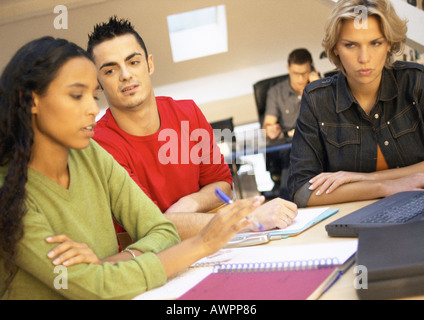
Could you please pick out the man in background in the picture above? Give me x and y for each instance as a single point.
(282, 111)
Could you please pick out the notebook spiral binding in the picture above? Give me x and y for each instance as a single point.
(275, 266)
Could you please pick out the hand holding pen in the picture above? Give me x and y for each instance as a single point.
(226, 199)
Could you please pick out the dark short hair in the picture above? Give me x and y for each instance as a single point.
(300, 56)
(113, 28)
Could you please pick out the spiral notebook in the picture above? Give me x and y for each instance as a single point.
(268, 282)
(330, 259)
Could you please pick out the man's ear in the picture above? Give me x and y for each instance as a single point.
(150, 64)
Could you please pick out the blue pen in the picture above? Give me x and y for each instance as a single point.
(226, 199)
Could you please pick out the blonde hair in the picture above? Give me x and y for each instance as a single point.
(393, 27)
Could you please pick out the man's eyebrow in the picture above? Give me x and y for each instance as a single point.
(111, 64)
(133, 55)
(108, 64)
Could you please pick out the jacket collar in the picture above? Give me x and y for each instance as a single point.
(345, 99)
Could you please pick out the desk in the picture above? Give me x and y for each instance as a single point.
(343, 289)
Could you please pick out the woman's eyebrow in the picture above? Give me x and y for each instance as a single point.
(77, 84)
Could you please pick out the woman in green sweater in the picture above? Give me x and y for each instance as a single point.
(59, 190)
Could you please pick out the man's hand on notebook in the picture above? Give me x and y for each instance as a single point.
(276, 213)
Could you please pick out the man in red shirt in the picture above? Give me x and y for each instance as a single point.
(167, 146)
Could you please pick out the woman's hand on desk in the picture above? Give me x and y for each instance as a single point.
(414, 182)
(367, 189)
(327, 182)
(276, 213)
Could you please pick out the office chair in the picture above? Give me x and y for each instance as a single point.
(273, 165)
(260, 90)
(227, 150)
(223, 124)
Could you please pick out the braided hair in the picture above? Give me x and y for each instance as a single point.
(31, 70)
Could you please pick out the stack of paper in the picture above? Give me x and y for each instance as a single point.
(331, 253)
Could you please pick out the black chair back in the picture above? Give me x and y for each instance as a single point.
(223, 124)
(260, 90)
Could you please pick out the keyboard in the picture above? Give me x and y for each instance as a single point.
(399, 213)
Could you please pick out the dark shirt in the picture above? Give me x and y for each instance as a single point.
(333, 132)
(284, 103)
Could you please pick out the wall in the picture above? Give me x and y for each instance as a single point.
(261, 34)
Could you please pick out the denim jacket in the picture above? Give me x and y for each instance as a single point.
(333, 133)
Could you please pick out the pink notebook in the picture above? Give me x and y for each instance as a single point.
(262, 285)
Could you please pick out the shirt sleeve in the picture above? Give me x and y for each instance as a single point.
(123, 280)
(307, 153)
(141, 218)
(420, 92)
(272, 108)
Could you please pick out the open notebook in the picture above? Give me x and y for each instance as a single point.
(305, 219)
(336, 254)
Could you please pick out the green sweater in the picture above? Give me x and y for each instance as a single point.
(99, 186)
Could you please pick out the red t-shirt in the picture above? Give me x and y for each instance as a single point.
(172, 162)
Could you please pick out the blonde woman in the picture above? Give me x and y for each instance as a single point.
(360, 134)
